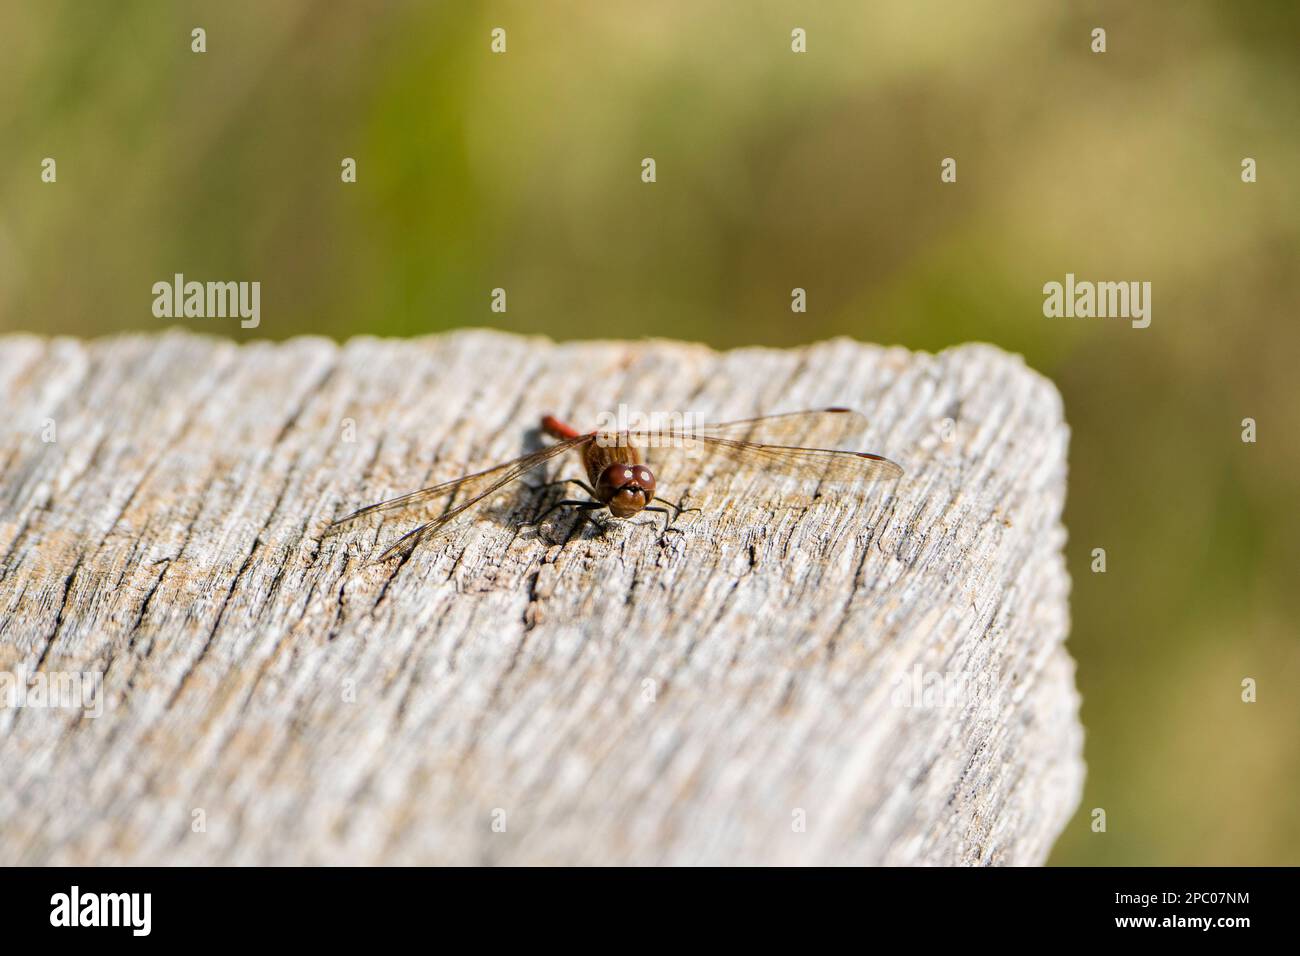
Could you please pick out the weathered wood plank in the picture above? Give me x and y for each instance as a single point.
(620, 697)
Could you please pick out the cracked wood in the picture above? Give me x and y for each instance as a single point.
(878, 678)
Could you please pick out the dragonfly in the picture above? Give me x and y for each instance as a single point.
(620, 480)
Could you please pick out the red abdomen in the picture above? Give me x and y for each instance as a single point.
(557, 429)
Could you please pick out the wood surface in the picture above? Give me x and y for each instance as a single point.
(868, 678)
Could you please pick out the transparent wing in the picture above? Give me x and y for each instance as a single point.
(478, 487)
(781, 444)
(811, 429)
(792, 428)
(822, 464)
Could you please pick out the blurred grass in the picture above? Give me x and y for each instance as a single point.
(774, 171)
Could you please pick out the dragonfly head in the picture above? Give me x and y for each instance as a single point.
(625, 489)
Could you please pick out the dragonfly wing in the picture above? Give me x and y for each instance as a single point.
(780, 444)
(402, 501)
(792, 428)
(502, 476)
(822, 426)
(474, 485)
(822, 464)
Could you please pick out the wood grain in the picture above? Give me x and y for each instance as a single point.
(742, 692)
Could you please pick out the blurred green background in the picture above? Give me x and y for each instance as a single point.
(775, 170)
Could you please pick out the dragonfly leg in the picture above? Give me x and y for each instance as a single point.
(679, 510)
(667, 520)
(583, 506)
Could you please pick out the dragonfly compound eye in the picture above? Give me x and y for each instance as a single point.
(620, 476)
(625, 488)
